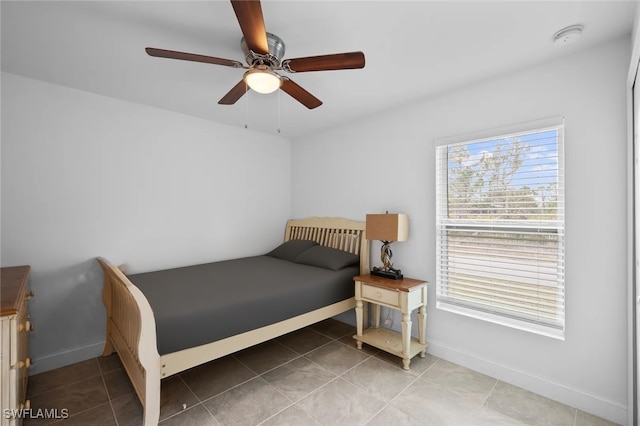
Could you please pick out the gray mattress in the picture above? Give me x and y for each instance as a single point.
(199, 304)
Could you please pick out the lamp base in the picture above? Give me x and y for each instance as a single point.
(393, 274)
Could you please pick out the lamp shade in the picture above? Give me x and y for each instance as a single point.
(388, 227)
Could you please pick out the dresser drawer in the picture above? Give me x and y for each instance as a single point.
(380, 295)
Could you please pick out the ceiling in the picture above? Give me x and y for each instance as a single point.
(413, 50)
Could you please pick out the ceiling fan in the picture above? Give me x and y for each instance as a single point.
(263, 52)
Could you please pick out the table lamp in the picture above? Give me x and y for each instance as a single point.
(387, 228)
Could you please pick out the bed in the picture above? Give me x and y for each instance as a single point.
(159, 329)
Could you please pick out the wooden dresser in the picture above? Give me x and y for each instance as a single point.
(14, 340)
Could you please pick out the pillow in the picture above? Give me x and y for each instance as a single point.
(289, 250)
(328, 258)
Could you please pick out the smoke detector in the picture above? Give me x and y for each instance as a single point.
(567, 35)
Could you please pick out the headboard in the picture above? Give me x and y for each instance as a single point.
(335, 232)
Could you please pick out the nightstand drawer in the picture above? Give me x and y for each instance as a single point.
(381, 295)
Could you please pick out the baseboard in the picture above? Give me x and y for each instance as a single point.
(568, 395)
(348, 317)
(51, 362)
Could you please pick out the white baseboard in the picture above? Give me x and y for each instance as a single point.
(348, 317)
(51, 362)
(592, 404)
(546, 387)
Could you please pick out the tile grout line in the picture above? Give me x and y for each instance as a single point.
(106, 389)
(61, 421)
(337, 376)
(200, 402)
(311, 393)
(266, 371)
(259, 375)
(226, 390)
(283, 395)
(102, 371)
(475, 414)
(189, 388)
(340, 376)
(293, 403)
(186, 409)
(92, 407)
(66, 384)
(210, 413)
(193, 406)
(416, 378)
(256, 375)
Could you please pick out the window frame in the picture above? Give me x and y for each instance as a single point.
(444, 224)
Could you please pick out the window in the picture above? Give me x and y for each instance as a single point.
(500, 226)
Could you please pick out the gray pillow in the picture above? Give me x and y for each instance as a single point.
(328, 258)
(290, 250)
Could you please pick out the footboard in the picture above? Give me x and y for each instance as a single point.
(131, 331)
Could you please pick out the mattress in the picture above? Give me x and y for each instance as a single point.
(200, 304)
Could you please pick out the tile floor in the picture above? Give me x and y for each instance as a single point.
(314, 376)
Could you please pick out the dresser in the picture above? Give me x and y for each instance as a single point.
(14, 339)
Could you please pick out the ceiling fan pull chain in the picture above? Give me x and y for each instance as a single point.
(246, 109)
(279, 124)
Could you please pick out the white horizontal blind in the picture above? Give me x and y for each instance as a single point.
(500, 229)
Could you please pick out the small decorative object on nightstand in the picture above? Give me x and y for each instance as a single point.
(404, 294)
(387, 228)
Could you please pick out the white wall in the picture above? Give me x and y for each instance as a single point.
(84, 176)
(386, 162)
(633, 213)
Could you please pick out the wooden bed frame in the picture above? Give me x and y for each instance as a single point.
(131, 327)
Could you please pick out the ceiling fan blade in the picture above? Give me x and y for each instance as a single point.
(172, 54)
(234, 94)
(249, 14)
(299, 94)
(337, 61)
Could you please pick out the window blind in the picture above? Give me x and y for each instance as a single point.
(500, 228)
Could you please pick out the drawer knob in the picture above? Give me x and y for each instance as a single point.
(26, 326)
(379, 295)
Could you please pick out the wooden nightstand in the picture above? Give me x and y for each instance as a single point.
(405, 295)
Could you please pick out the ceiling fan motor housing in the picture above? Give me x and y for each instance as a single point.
(276, 52)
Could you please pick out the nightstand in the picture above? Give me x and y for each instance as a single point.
(405, 295)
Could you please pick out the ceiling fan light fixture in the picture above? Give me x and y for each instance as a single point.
(262, 80)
